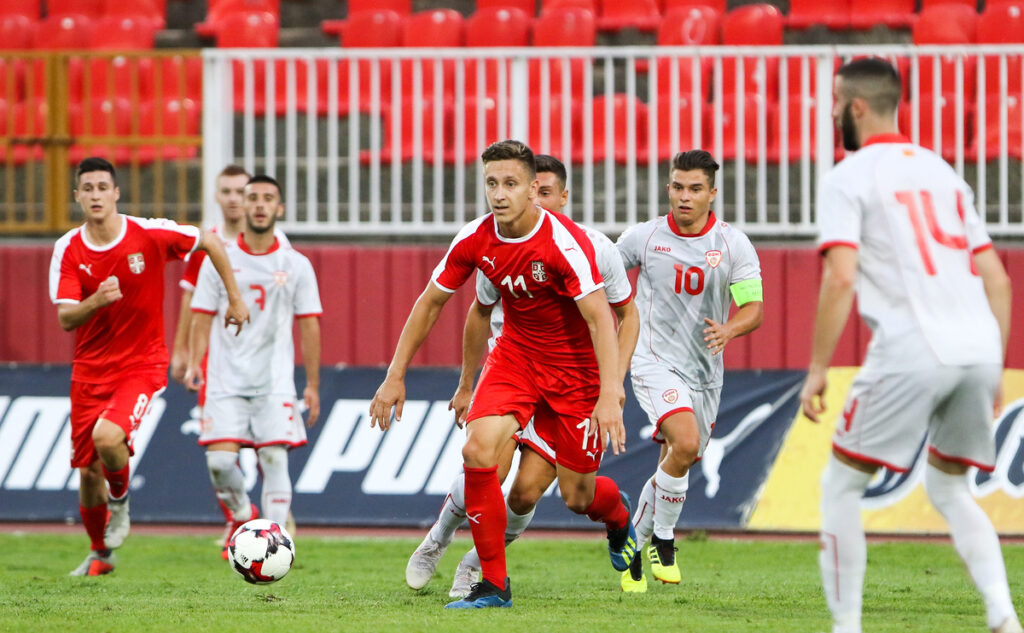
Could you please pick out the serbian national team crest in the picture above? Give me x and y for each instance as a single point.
(280, 277)
(538, 272)
(714, 258)
(136, 263)
(670, 396)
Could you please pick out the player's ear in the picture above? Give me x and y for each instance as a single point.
(564, 198)
(280, 210)
(714, 194)
(117, 193)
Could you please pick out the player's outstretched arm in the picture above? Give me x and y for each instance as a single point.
(607, 417)
(199, 337)
(747, 319)
(237, 312)
(391, 393)
(179, 353)
(73, 315)
(474, 345)
(309, 340)
(834, 303)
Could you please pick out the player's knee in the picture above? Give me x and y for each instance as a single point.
(107, 437)
(220, 463)
(685, 450)
(477, 454)
(91, 478)
(522, 501)
(577, 498)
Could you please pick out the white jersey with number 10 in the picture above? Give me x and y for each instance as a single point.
(927, 304)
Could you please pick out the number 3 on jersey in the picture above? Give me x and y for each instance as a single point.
(689, 279)
(909, 200)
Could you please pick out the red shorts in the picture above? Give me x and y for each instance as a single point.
(123, 402)
(559, 399)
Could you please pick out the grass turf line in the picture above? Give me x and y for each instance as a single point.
(179, 584)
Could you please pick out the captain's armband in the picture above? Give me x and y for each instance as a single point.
(746, 291)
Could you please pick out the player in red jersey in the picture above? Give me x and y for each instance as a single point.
(106, 278)
(556, 361)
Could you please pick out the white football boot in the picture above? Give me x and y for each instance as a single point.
(423, 562)
(119, 524)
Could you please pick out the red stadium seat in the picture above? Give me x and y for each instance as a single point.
(719, 6)
(754, 25)
(557, 5)
(26, 8)
(946, 24)
(16, 31)
(258, 29)
(475, 140)
(1014, 128)
(401, 7)
(123, 33)
(406, 135)
(435, 28)
(690, 26)
(28, 119)
(103, 77)
(927, 4)
(217, 9)
(794, 130)
(172, 117)
(88, 8)
(279, 96)
(100, 117)
(946, 123)
(1002, 24)
(553, 116)
(152, 10)
(687, 79)
(730, 131)
(669, 144)
(178, 77)
(367, 29)
(895, 14)
(619, 122)
(62, 33)
(529, 7)
(834, 14)
(557, 28)
(642, 15)
(494, 27)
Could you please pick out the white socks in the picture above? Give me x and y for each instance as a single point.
(669, 496)
(975, 540)
(277, 485)
(517, 524)
(228, 482)
(643, 518)
(453, 512)
(843, 555)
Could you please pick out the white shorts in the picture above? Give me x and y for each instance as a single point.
(888, 415)
(255, 421)
(528, 436)
(661, 392)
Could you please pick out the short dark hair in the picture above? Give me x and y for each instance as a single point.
(233, 170)
(696, 159)
(268, 179)
(873, 79)
(95, 163)
(511, 150)
(548, 163)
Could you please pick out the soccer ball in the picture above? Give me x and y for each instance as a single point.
(261, 551)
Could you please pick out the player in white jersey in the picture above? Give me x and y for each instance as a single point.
(898, 227)
(537, 458)
(250, 385)
(230, 197)
(692, 267)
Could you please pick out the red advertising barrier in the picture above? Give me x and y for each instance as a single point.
(367, 292)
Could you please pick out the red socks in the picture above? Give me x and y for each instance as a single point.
(118, 481)
(485, 509)
(607, 507)
(95, 521)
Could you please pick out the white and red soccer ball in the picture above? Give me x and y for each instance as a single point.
(261, 551)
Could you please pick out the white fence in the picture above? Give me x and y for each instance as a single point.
(386, 141)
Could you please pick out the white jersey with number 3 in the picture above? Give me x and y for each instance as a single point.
(913, 222)
(276, 286)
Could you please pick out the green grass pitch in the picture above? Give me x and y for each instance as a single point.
(179, 584)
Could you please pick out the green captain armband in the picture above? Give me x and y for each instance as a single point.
(746, 291)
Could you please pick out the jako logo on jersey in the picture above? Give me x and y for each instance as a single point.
(489, 260)
(662, 249)
(537, 268)
(136, 263)
(670, 396)
(280, 277)
(713, 258)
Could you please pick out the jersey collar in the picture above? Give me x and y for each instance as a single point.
(885, 138)
(110, 245)
(675, 227)
(245, 247)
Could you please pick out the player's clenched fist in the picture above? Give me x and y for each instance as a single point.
(109, 291)
(236, 314)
